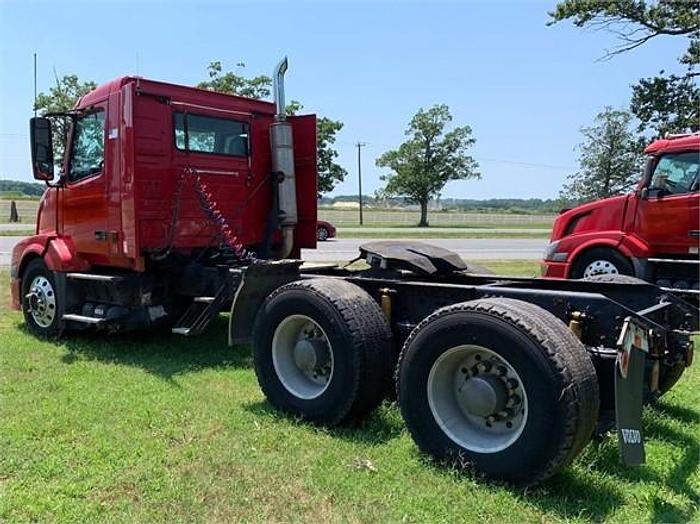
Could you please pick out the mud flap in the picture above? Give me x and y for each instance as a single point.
(257, 282)
(629, 391)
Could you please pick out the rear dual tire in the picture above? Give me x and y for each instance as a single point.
(557, 397)
(322, 351)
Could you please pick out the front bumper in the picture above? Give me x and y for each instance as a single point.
(555, 269)
(15, 284)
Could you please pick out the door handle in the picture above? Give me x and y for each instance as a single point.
(694, 233)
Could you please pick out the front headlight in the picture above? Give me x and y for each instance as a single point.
(551, 253)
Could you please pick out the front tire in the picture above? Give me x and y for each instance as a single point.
(40, 301)
(322, 351)
(601, 261)
(533, 406)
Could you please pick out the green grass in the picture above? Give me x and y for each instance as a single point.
(17, 232)
(152, 427)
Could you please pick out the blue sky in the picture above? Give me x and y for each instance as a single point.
(523, 87)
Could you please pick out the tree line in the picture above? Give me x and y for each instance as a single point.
(436, 152)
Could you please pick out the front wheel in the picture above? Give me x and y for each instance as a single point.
(498, 386)
(40, 304)
(601, 261)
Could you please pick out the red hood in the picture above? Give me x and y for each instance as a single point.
(601, 215)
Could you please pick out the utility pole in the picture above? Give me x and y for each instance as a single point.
(359, 146)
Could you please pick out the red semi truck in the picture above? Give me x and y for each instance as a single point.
(174, 204)
(653, 233)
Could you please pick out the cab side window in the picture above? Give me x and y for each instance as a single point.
(675, 174)
(88, 153)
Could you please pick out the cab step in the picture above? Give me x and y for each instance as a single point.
(82, 318)
(94, 277)
(204, 309)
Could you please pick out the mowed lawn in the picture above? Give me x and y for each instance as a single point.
(151, 427)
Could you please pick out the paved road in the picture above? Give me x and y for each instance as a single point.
(22, 226)
(469, 248)
(396, 231)
(347, 249)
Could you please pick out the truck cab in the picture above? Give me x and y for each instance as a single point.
(652, 233)
(161, 188)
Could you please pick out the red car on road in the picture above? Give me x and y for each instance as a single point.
(653, 233)
(324, 230)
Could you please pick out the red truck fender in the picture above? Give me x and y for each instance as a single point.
(58, 254)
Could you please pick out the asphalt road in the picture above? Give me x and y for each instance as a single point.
(347, 249)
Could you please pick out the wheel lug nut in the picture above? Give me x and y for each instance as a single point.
(502, 371)
(512, 383)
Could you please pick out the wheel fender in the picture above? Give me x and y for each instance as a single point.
(25, 250)
(610, 243)
(61, 256)
(634, 246)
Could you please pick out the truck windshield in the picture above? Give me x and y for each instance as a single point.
(213, 135)
(676, 173)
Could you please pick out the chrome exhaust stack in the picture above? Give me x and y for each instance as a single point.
(282, 151)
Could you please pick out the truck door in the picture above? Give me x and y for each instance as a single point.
(668, 219)
(83, 212)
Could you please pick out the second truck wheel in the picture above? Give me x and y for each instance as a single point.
(322, 350)
(500, 386)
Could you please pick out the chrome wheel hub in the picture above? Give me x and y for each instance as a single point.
(600, 267)
(40, 301)
(302, 356)
(477, 398)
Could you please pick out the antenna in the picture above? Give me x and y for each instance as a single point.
(34, 85)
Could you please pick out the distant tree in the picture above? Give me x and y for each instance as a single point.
(60, 98)
(665, 102)
(610, 158)
(235, 84)
(431, 157)
(31, 189)
(330, 172)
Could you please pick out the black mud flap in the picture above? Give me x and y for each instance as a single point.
(257, 282)
(629, 391)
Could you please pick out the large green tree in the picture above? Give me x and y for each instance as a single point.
(610, 158)
(61, 98)
(667, 102)
(430, 157)
(330, 172)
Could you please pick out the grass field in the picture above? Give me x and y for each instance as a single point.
(152, 427)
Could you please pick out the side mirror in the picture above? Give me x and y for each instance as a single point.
(42, 148)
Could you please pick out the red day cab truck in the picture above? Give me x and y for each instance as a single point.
(652, 234)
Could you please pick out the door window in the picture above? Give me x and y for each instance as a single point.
(88, 146)
(676, 174)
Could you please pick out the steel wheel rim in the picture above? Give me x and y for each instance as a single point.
(457, 407)
(41, 301)
(600, 267)
(298, 337)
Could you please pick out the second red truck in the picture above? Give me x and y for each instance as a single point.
(652, 233)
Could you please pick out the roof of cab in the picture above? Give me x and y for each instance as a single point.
(183, 93)
(674, 143)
